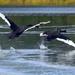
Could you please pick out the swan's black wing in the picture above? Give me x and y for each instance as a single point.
(65, 39)
(55, 35)
(12, 25)
(50, 35)
(61, 36)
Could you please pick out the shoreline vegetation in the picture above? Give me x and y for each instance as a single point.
(38, 2)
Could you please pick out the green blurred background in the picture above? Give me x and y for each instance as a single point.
(37, 2)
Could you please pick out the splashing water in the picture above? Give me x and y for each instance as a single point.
(43, 47)
(2, 54)
(66, 58)
(12, 51)
(70, 55)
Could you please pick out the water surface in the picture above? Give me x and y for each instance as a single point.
(25, 55)
(38, 10)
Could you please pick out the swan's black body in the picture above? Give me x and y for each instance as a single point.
(16, 30)
(50, 35)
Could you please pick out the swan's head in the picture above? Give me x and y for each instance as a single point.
(43, 34)
(37, 27)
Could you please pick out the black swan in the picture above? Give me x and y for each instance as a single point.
(16, 30)
(50, 35)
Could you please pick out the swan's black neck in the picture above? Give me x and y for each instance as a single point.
(28, 26)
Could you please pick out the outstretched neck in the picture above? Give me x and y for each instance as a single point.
(28, 27)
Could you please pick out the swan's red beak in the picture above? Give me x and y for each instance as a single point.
(39, 27)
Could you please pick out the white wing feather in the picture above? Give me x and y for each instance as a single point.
(70, 42)
(3, 17)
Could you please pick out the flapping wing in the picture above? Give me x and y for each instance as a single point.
(65, 40)
(61, 36)
(12, 25)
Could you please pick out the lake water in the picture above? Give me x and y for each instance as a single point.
(25, 55)
(38, 10)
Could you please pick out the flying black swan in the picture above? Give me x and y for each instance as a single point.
(16, 30)
(50, 35)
